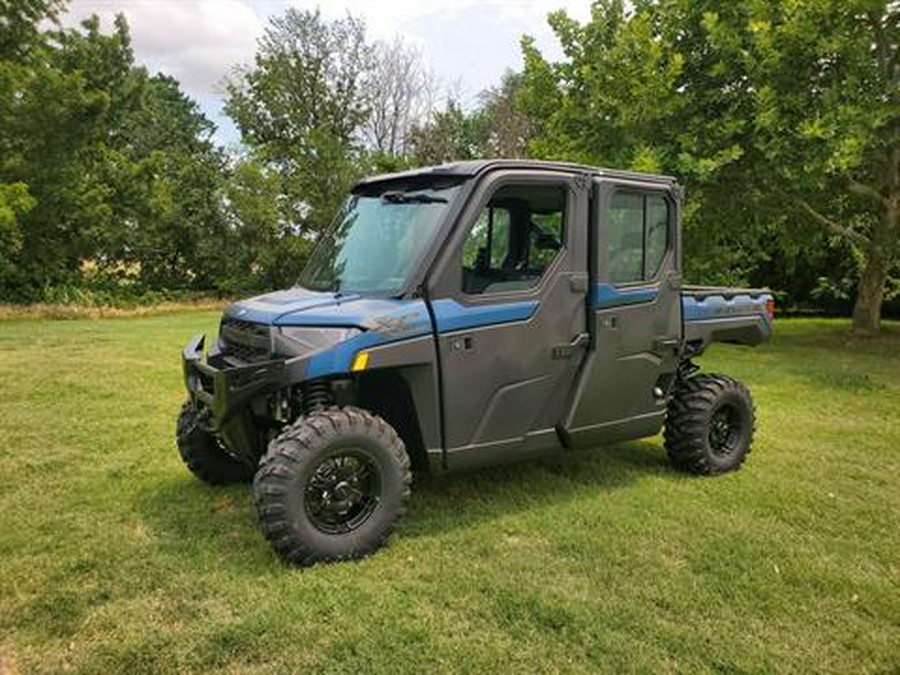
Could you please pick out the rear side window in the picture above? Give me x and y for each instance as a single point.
(638, 235)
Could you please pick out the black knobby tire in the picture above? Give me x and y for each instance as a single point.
(709, 424)
(204, 455)
(302, 509)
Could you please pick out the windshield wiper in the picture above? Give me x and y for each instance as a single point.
(412, 198)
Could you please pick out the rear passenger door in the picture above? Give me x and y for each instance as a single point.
(634, 313)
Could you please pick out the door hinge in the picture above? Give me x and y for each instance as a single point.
(578, 283)
(582, 181)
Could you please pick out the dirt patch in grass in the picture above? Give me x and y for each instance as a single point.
(7, 664)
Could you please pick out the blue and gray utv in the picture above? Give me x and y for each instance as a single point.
(460, 316)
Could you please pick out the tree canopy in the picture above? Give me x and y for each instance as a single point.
(101, 166)
(778, 116)
(781, 118)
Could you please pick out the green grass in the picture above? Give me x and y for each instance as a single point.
(114, 559)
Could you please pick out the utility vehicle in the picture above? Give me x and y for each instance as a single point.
(458, 316)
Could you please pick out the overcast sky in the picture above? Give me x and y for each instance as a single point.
(467, 43)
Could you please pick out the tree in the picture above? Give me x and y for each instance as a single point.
(58, 104)
(167, 175)
(449, 135)
(642, 90)
(14, 203)
(263, 249)
(102, 167)
(497, 126)
(766, 110)
(301, 108)
(399, 97)
(509, 127)
(20, 22)
(827, 81)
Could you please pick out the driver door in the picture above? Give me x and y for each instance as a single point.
(510, 316)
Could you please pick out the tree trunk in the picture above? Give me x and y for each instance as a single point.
(870, 294)
(880, 253)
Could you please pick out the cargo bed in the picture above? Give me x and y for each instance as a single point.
(722, 314)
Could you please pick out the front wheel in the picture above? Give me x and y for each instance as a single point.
(709, 424)
(204, 455)
(331, 486)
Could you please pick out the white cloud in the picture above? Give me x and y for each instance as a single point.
(467, 43)
(196, 41)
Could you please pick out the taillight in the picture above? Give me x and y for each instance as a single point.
(770, 309)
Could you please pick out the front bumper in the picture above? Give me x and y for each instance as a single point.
(223, 391)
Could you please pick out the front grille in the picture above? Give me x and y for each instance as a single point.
(245, 340)
(246, 328)
(245, 352)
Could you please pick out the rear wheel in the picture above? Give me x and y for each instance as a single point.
(709, 424)
(331, 486)
(204, 455)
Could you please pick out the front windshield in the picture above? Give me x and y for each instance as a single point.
(378, 238)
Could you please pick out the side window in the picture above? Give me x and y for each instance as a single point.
(657, 233)
(548, 237)
(625, 230)
(490, 233)
(638, 235)
(515, 238)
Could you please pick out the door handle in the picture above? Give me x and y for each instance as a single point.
(566, 351)
(580, 340)
(664, 345)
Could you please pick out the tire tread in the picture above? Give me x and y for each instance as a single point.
(289, 449)
(686, 430)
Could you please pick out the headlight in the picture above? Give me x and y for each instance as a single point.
(300, 340)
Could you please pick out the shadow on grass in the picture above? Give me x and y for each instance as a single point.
(194, 520)
(444, 503)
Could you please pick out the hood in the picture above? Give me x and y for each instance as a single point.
(301, 307)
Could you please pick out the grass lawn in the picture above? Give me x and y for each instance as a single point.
(114, 559)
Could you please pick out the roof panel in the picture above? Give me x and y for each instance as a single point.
(475, 167)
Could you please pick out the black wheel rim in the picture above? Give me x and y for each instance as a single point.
(724, 431)
(342, 492)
